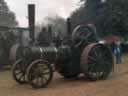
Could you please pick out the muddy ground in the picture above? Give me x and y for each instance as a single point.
(116, 85)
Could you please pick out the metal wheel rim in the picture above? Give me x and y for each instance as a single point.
(39, 77)
(99, 62)
(19, 73)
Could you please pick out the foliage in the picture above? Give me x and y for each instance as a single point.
(7, 17)
(109, 17)
(7, 37)
(118, 13)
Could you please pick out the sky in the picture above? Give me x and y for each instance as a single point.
(44, 8)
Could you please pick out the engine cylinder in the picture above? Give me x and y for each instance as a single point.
(46, 53)
(64, 58)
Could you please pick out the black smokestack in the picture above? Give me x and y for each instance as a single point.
(31, 16)
(50, 30)
(50, 33)
(69, 27)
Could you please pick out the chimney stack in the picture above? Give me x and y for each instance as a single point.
(31, 17)
(69, 27)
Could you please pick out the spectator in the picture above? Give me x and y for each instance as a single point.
(117, 52)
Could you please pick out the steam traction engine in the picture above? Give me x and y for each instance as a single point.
(81, 54)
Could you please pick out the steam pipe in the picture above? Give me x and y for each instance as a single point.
(50, 30)
(69, 27)
(31, 17)
(50, 33)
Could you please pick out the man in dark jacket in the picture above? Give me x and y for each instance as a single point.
(42, 38)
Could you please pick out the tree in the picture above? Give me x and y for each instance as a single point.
(7, 17)
(7, 37)
(117, 11)
(90, 12)
(109, 16)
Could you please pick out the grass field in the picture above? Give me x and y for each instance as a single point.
(116, 85)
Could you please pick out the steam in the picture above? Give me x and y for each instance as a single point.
(44, 8)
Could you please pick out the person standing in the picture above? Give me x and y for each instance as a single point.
(117, 52)
(42, 38)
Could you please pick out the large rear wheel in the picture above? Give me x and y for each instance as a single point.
(96, 61)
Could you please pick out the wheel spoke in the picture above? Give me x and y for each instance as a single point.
(91, 67)
(45, 73)
(35, 78)
(38, 80)
(16, 73)
(24, 78)
(21, 76)
(45, 79)
(91, 58)
(105, 53)
(45, 68)
(94, 51)
(100, 55)
(41, 74)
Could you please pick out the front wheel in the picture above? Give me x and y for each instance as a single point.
(39, 74)
(19, 72)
